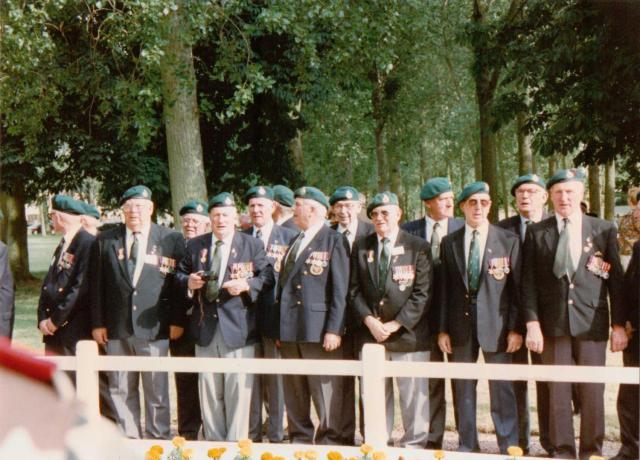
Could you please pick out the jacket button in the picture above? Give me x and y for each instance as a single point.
(381, 303)
(44, 288)
(60, 289)
(466, 313)
(135, 292)
(570, 302)
(571, 286)
(298, 287)
(217, 300)
(48, 310)
(215, 316)
(298, 303)
(304, 272)
(135, 308)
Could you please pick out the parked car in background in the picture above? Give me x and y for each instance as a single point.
(34, 228)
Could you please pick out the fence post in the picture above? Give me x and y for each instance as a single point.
(373, 399)
(87, 389)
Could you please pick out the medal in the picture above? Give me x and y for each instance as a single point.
(316, 269)
(402, 287)
(277, 265)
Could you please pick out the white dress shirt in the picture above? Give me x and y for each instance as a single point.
(482, 239)
(575, 235)
(309, 234)
(353, 228)
(226, 249)
(393, 236)
(266, 232)
(143, 238)
(442, 228)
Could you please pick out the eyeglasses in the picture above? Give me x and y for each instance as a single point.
(382, 213)
(483, 203)
(134, 206)
(530, 191)
(344, 205)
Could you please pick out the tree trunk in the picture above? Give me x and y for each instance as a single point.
(295, 147)
(181, 117)
(553, 165)
(44, 218)
(15, 231)
(610, 191)
(488, 149)
(504, 190)
(594, 189)
(525, 155)
(379, 120)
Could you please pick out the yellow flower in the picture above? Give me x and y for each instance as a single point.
(333, 455)
(379, 455)
(151, 455)
(596, 457)
(298, 454)
(156, 448)
(244, 443)
(277, 457)
(187, 454)
(266, 456)
(216, 452)
(245, 451)
(514, 451)
(179, 441)
(352, 458)
(438, 454)
(311, 455)
(366, 449)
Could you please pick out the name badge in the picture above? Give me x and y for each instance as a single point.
(397, 251)
(151, 259)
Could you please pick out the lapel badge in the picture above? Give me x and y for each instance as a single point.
(120, 253)
(233, 252)
(370, 256)
(278, 265)
(203, 255)
(402, 287)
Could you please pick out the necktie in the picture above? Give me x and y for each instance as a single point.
(133, 254)
(291, 257)
(346, 233)
(213, 289)
(259, 233)
(435, 243)
(473, 269)
(383, 265)
(527, 222)
(563, 263)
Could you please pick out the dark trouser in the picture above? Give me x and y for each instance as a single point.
(59, 349)
(627, 404)
(348, 430)
(189, 416)
(324, 390)
(564, 351)
(502, 400)
(437, 403)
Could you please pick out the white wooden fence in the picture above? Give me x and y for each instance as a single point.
(373, 368)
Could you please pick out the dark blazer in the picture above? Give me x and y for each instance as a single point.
(363, 229)
(578, 308)
(513, 224)
(632, 289)
(7, 294)
(290, 224)
(64, 296)
(147, 309)
(418, 228)
(497, 301)
(406, 301)
(313, 304)
(268, 312)
(236, 314)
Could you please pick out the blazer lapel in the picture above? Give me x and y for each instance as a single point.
(458, 253)
(234, 252)
(551, 236)
(587, 242)
(153, 245)
(121, 254)
(492, 243)
(388, 283)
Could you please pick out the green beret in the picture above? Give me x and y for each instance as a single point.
(566, 175)
(137, 191)
(434, 187)
(221, 200)
(194, 207)
(344, 193)
(527, 179)
(283, 195)
(472, 189)
(90, 210)
(258, 191)
(382, 199)
(312, 193)
(68, 205)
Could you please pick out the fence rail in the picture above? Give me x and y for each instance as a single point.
(373, 368)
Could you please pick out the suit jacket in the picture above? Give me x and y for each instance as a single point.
(632, 288)
(577, 308)
(497, 301)
(363, 229)
(268, 311)
(407, 290)
(7, 294)
(513, 224)
(418, 228)
(290, 224)
(313, 304)
(64, 295)
(147, 309)
(236, 314)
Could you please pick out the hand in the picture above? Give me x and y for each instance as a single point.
(331, 341)
(236, 287)
(175, 332)
(392, 326)
(100, 335)
(534, 340)
(377, 329)
(195, 282)
(619, 340)
(444, 342)
(514, 342)
(629, 329)
(44, 327)
(278, 343)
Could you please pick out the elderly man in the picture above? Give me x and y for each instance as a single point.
(283, 208)
(437, 197)
(224, 272)
(275, 240)
(390, 294)
(194, 221)
(64, 316)
(531, 196)
(478, 311)
(571, 268)
(90, 218)
(346, 206)
(133, 308)
(311, 293)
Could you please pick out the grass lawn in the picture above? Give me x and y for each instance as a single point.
(27, 334)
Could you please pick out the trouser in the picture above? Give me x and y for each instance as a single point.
(437, 403)
(125, 394)
(627, 405)
(188, 402)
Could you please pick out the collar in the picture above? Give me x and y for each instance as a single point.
(311, 231)
(393, 236)
(226, 241)
(353, 227)
(575, 218)
(266, 229)
(482, 229)
(144, 232)
(68, 236)
(534, 220)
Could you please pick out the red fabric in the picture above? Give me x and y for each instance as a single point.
(25, 363)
